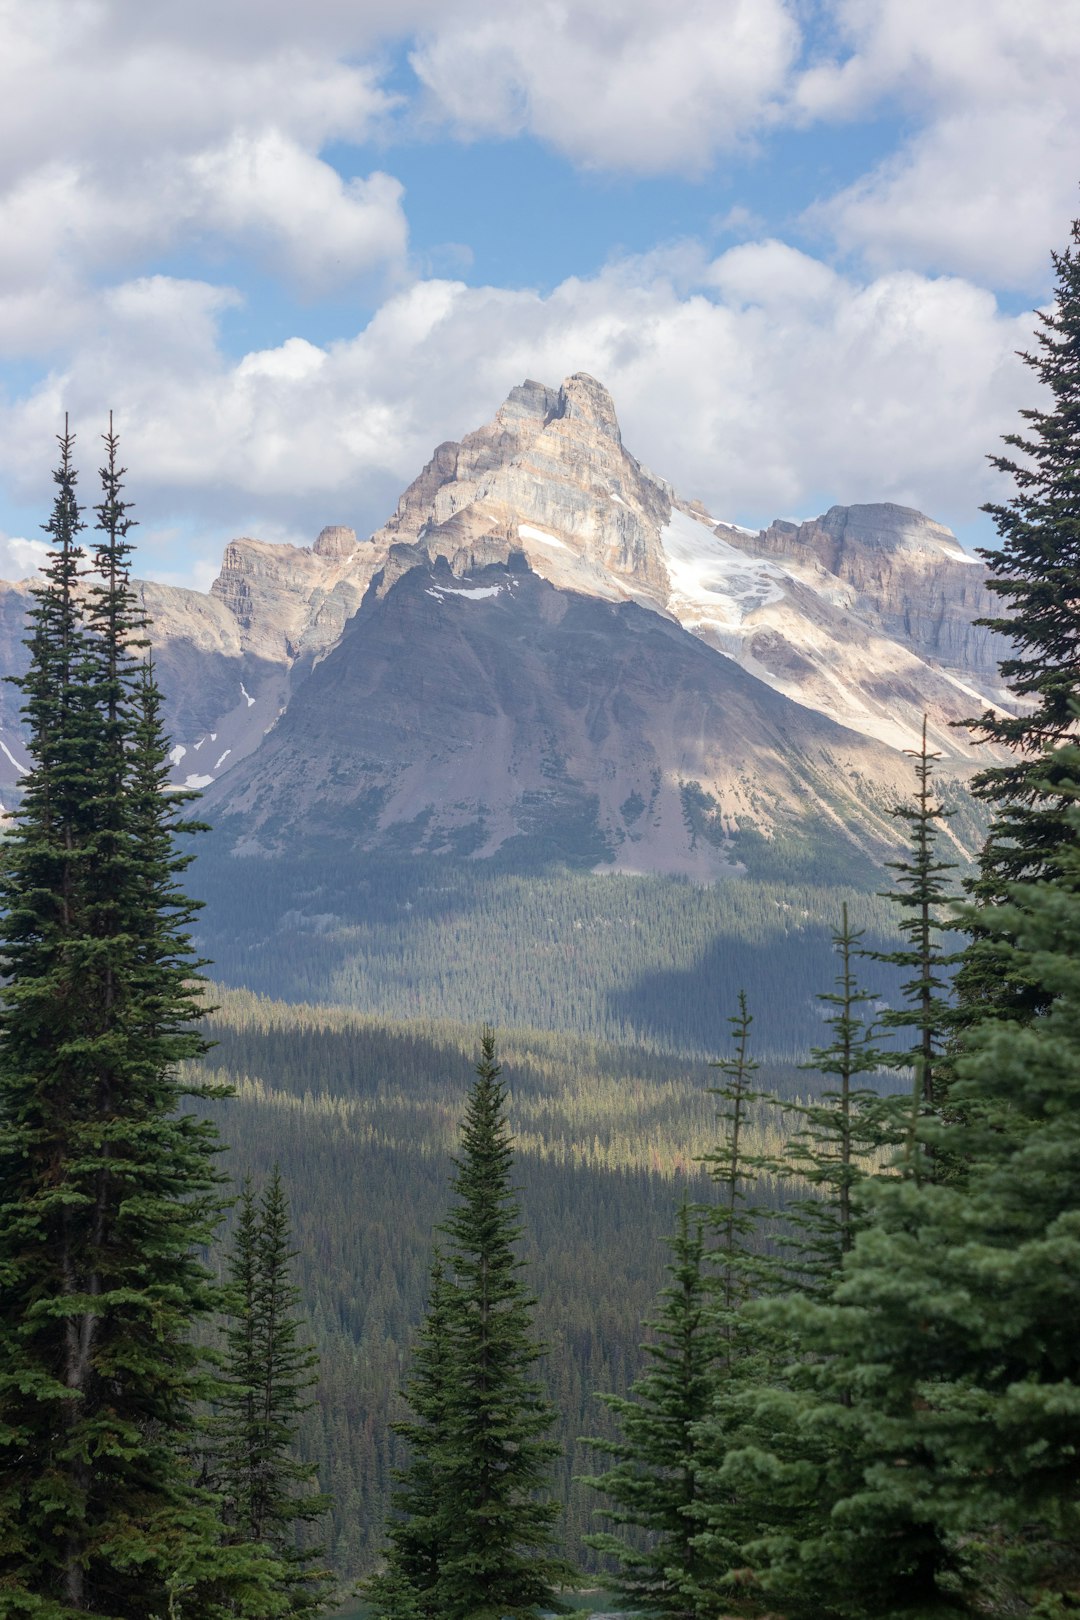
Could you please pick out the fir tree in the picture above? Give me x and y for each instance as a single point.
(1035, 571)
(985, 1406)
(494, 1523)
(833, 1152)
(923, 895)
(955, 1319)
(734, 1175)
(655, 1484)
(416, 1534)
(108, 1189)
(784, 1459)
(268, 1494)
(748, 1268)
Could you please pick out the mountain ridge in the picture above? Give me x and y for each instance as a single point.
(855, 624)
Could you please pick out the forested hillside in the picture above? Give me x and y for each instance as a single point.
(648, 961)
(362, 1116)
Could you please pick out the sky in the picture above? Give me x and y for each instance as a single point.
(294, 247)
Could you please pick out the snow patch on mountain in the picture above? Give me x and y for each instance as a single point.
(22, 770)
(475, 593)
(705, 571)
(527, 531)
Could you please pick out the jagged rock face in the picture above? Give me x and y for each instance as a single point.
(285, 600)
(451, 478)
(335, 542)
(831, 638)
(911, 579)
(541, 715)
(550, 467)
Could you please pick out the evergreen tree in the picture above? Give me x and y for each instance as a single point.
(493, 1528)
(1035, 571)
(923, 894)
(734, 1174)
(267, 1492)
(655, 1484)
(107, 1189)
(783, 1459)
(844, 1127)
(956, 1316)
(410, 1581)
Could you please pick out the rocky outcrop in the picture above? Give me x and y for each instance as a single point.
(450, 480)
(909, 578)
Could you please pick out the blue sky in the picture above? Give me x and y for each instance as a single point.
(294, 248)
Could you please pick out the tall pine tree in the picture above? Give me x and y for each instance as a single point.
(107, 1188)
(955, 1318)
(655, 1483)
(416, 1534)
(269, 1494)
(923, 894)
(1036, 572)
(484, 1447)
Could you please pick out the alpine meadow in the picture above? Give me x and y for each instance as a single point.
(540, 1044)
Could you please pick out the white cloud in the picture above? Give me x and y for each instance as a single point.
(757, 382)
(113, 150)
(988, 177)
(323, 229)
(641, 85)
(20, 558)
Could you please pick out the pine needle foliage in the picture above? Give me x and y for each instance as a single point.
(655, 1484)
(107, 1187)
(843, 1129)
(482, 1430)
(735, 1171)
(416, 1532)
(1035, 572)
(923, 895)
(268, 1493)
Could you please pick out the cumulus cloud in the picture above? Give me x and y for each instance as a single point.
(988, 176)
(640, 85)
(757, 381)
(112, 151)
(20, 558)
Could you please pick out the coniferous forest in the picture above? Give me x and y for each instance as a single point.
(294, 1295)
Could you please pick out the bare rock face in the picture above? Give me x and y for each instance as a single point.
(451, 478)
(335, 542)
(543, 714)
(910, 578)
(548, 473)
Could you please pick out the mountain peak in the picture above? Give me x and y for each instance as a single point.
(582, 397)
(335, 541)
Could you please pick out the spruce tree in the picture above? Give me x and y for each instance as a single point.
(1036, 573)
(410, 1581)
(493, 1521)
(655, 1484)
(108, 1187)
(923, 895)
(734, 1174)
(268, 1493)
(785, 1458)
(955, 1318)
(843, 1127)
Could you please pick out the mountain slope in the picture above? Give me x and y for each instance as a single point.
(550, 718)
(545, 643)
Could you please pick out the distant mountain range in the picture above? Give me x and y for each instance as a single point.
(546, 648)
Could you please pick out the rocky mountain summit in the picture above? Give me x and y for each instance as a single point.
(545, 642)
